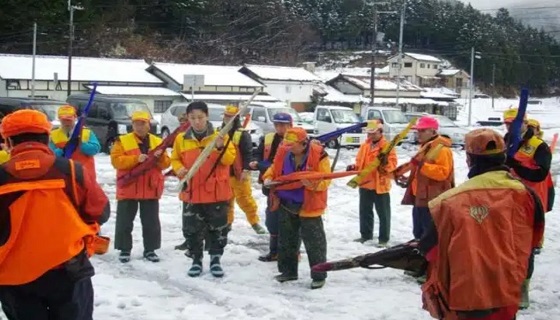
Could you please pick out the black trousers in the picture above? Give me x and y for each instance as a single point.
(382, 202)
(53, 296)
(149, 217)
(206, 222)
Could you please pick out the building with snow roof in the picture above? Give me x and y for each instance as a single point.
(360, 85)
(419, 69)
(117, 77)
(455, 79)
(291, 84)
(221, 84)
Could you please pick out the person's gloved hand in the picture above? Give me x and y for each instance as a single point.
(351, 167)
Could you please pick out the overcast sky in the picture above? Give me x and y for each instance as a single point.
(486, 4)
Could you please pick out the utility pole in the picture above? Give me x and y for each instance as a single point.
(33, 63)
(71, 8)
(493, 84)
(471, 91)
(374, 48)
(403, 9)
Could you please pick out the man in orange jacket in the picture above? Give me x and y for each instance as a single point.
(480, 241)
(51, 212)
(144, 193)
(377, 186)
(301, 207)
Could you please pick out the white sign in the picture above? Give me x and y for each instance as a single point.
(193, 81)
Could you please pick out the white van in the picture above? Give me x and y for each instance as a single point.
(394, 120)
(331, 118)
(263, 112)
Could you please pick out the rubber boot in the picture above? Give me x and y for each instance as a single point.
(196, 268)
(524, 304)
(216, 266)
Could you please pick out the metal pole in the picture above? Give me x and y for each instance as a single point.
(192, 93)
(373, 56)
(493, 83)
(400, 52)
(33, 63)
(471, 91)
(70, 44)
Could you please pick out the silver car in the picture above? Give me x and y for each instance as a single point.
(446, 127)
(170, 121)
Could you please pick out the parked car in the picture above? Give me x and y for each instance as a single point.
(307, 117)
(394, 120)
(46, 106)
(110, 117)
(446, 127)
(331, 118)
(262, 114)
(170, 121)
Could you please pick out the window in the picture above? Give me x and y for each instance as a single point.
(408, 64)
(374, 114)
(177, 111)
(395, 65)
(422, 65)
(257, 113)
(323, 115)
(103, 111)
(459, 83)
(160, 106)
(435, 66)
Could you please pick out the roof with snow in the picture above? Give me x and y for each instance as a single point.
(213, 75)
(333, 95)
(85, 69)
(423, 57)
(363, 83)
(229, 97)
(281, 73)
(135, 91)
(448, 72)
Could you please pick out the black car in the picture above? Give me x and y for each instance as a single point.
(110, 116)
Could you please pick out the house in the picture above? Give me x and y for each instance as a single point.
(221, 84)
(113, 76)
(455, 79)
(419, 69)
(356, 85)
(292, 84)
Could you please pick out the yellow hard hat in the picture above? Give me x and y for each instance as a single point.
(533, 123)
(510, 114)
(373, 126)
(141, 116)
(231, 111)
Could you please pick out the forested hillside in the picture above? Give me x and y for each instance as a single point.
(282, 32)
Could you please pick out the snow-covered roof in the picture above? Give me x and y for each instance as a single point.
(449, 72)
(84, 69)
(327, 75)
(213, 75)
(435, 95)
(282, 73)
(442, 90)
(135, 91)
(380, 84)
(333, 95)
(414, 101)
(423, 57)
(229, 97)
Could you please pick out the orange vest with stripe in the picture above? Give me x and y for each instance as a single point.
(525, 155)
(59, 138)
(313, 201)
(45, 229)
(150, 184)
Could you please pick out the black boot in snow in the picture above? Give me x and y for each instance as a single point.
(183, 246)
(124, 256)
(269, 257)
(151, 256)
(216, 267)
(196, 268)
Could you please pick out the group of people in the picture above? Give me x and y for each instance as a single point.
(503, 203)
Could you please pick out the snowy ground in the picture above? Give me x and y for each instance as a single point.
(146, 291)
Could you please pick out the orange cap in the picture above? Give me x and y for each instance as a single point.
(67, 112)
(25, 121)
(484, 142)
(510, 114)
(141, 116)
(294, 135)
(231, 111)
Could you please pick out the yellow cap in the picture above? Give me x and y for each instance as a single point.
(231, 111)
(294, 135)
(66, 112)
(373, 126)
(534, 123)
(510, 114)
(141, 116)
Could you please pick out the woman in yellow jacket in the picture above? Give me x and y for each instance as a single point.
(207, 194)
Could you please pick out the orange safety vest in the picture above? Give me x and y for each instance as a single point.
(525, 155)
(381, 183)
(485, 231)
(45, 228)
(150, 184)
(59, 138)
(314, 202)
(268, 139)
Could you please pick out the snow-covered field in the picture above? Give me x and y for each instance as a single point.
(142, 290)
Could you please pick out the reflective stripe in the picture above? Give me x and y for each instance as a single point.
(33, 185)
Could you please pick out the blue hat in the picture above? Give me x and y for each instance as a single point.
(282, 117)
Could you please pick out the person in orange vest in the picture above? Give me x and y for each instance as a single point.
(51, 213)
(301, 208)
(128, 151)
(431, 174)
(240, 175)
(531, 163)
(266, 151)
(207, 195)
(479, 243)
(375, 190)
(88, 144)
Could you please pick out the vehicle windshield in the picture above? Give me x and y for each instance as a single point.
(126, 109)
(290, 111)
(394, 116)
(446, 122)
(51, 110)
(344, 116)
(215, 114)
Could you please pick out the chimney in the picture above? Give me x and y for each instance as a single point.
(309, 66)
